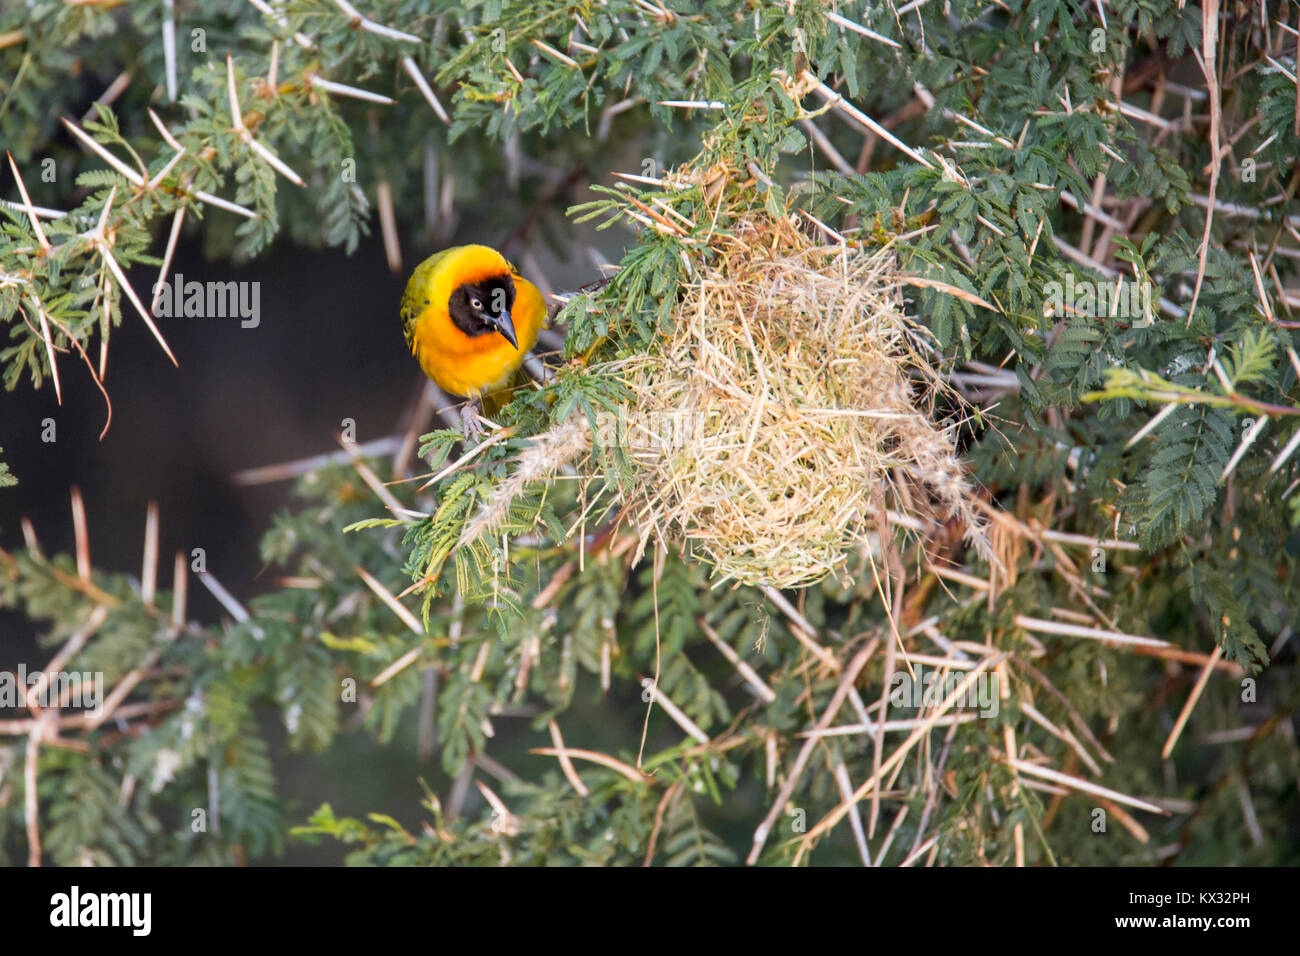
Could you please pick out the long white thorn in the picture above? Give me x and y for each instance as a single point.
(413, 69)
(863, 119)
(27, 204)
(237, 120)
(274, 162)
(236, 115)
(177, 221)
(1286, 452)
(164, 132)
(225, 204)
(370, 26)
(49, 350)
(134, 178)
(162, 173)
(1247, 440)
(1151, 426)
(859, 28)
(342, 89)
(169, 47)
(38, 210)
(135, 300)
(101, 228)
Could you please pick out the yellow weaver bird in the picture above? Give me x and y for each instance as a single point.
(470, 319)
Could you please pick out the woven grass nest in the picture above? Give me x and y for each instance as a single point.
(790, 410)
(787, 418)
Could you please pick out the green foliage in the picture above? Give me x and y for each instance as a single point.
(1023, 171)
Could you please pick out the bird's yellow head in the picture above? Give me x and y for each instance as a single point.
(470, 318)
(471, 287)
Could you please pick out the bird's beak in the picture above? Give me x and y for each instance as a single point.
(506, 326)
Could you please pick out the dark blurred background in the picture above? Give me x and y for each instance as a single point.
(328, 347)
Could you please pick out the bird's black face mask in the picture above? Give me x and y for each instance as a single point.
(481, 308)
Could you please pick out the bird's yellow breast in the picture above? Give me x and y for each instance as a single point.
(463, 364)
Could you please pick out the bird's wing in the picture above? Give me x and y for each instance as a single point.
(415, 298)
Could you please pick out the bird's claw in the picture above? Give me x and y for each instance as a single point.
(470, 423)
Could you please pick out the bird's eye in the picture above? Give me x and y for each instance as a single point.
(475, 304)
